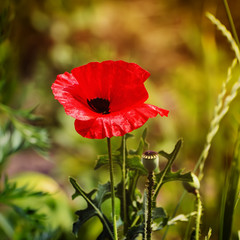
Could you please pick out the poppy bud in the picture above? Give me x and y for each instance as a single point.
(150, 160)
(191, 187)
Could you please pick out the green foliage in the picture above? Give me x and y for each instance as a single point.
(134, 199)
(230, 195)
(93, 209)
(10, 192)
(224, 98)
(16, 134)
(32, 224)
(166, 175)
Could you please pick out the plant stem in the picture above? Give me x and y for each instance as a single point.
(230, 19)
(125, 218)
(199, 214)
(148, 227)
(112, 189)
(174, 213)
(99, 213)
(161, 180)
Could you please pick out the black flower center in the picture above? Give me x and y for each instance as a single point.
(99, 105)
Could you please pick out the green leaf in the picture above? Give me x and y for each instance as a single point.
(93, 208)
(127, 136)
(29, 214)
(159, 212)
(174, 176)
(33, 136)
(173, 221)
(11, 192)
(167, 170)
(6, 226)
(133, 232)
(133, 162)
(172, 156)
(103, 160)
(230, 195)
(181, 218)
(11, 141)
(21, 131)
(143, 145)
(160, 218)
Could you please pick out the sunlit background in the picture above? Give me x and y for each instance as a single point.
(173, 40)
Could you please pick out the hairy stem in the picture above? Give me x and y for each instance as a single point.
(112, 189)
(199, 214)
(148, 227)
(125, 218)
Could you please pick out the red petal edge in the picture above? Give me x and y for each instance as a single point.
(118, 124)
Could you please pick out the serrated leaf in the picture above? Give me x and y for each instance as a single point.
(160, 218)
(175, 176)
(159, 212)
(170, 157)
(89, 195)
(133, 232)
(143, 144)
(93, 208)
(133, 162)
(103, 160)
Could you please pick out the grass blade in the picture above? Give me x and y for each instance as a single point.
(230, 195)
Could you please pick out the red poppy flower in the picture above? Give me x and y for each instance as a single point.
(106, 99)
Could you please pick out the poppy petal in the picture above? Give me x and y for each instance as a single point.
(119, 123)
(118, 81)
(63, 89)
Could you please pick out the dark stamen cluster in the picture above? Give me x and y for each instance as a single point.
(99, 105)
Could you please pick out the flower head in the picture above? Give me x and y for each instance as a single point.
(150, 160)
(106, 99)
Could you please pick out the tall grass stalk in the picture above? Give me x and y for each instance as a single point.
(220, 109)
(229, 15)
(230, 195)
(225, 33)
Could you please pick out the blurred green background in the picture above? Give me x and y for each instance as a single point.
(173, 40)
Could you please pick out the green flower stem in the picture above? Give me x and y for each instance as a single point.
(157, 189)
(148, 223)
(112, 189)
(167, 167)
(199, 214)
(99, 213)
(174, 213)
(229, 15)
(125, 218)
